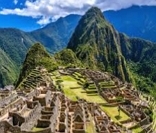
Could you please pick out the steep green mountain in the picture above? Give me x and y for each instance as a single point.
(67, 58)
(141, 58)
(99, 46)
(96, 43)
(13, 45)
(8, 70)
(36, 56)
(56, 35)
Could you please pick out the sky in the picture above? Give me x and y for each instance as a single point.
(32, 14)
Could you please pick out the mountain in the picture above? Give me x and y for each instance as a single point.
(95, 43)
(99, 46)
(66, 57)
(135, 21)
(8, 70)
(13, 47)
(56, 35)
(36, 56)
(15, 43)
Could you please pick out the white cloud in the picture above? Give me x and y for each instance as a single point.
(49, 10)
(15, 2)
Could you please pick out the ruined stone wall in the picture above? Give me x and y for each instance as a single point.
(8, 127)
(43, 123)
(32, 94)
(10, 106)
(48, 97)
(8, 99)
(17, 119)
(78, 131)
(32, 119)
(5, 127)
(47, 130)
(42, 100)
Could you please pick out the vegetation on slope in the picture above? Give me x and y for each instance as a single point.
(14, 45)
(56, 35)
(67, 58)
(36, 56)
(96, 44)
(8, 70)
(140, 56)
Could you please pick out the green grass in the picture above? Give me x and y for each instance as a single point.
(109, 87)
(70, 94)
(137, 130)
(69, 83)
(90, 127)
(68, 78)
(35, 129)
(113, 113)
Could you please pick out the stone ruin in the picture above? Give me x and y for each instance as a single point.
(51, 112)
(46, 110)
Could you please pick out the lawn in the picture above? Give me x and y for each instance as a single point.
(90, 127)
(137, 130)
(35, 129)
(72, 90)
(68, 78)
(114, 114)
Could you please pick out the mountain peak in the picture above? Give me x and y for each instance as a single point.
(88, 28)
(36, 56)
(94, 11)
(96, 44)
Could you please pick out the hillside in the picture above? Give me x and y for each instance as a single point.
(99, 46)
(56, 35)
(36, 56)
(8, 70)
(13, 47)
(15, 43)
(96, 44)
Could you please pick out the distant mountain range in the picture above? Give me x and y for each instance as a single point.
(14, 43)
(135, 21)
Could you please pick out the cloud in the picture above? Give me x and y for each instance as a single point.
(15, 2)
(50, 10)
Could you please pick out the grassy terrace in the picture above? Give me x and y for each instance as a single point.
(35, 129)
(113, 112)
(72, 90)
(109, 84)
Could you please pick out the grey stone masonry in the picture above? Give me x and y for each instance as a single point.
(27, 126)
